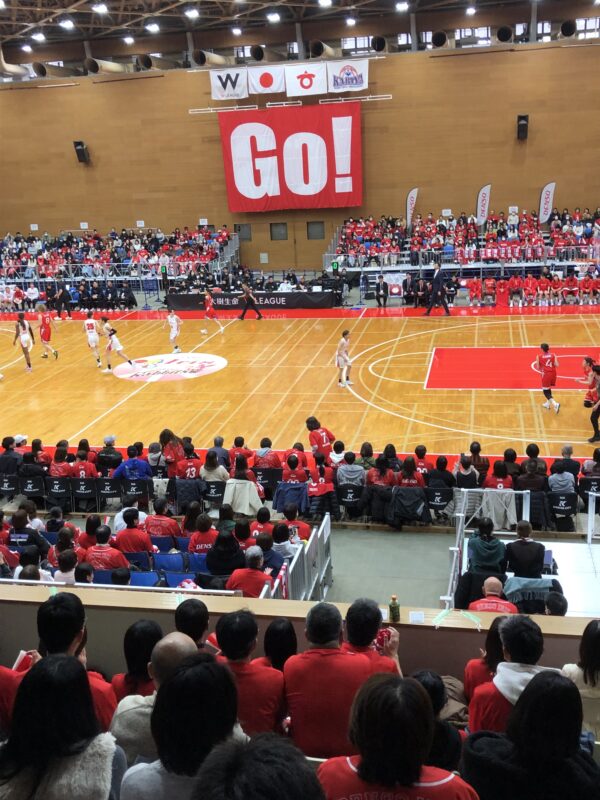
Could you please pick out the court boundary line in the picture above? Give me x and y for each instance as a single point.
(123, 400)
(425, 386)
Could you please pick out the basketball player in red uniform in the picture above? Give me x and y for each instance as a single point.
(46, 324)
(589, 380)
(475, 290)
(547, 363)
(209, 312)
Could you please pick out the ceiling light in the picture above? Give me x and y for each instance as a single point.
(192, 13)
(273, 17)
(350, 21)
(67, 24)
(471, 10)
(27, 48)
(2, 4)
(39, 37)
(325, 3)
(236, 31)
(152, 27)
(401, 6)
(597, 2)
(100, 8)
(128, 39)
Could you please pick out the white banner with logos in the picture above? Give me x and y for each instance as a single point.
(266, 79)
(229, 84)
(483, 203)
(348, 76)
(546, 202)
(305, 79)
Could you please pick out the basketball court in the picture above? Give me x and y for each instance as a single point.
(264, 378)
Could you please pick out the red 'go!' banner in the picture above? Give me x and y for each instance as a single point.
(292, 157)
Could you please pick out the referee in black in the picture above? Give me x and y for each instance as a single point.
(438, 292)
(249, 302)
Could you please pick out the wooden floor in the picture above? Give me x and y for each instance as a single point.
(280, 371)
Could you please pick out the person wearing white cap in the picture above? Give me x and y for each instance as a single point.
(21, 443)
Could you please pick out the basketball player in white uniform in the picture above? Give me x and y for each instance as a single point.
(24, 334)
(90, 328)
(175, 324)
(113, 346)
(343, 361)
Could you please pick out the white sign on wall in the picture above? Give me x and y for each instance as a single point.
(202, 221)
(264, 258)
(84, 226)
(33, 226)
(140, 223)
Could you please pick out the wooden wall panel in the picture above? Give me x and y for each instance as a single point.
(450, 128)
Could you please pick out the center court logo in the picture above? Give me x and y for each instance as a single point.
(170, 367)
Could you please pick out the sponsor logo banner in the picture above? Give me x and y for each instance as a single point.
(171, 367)
(305, 79)
(411, 202)
(547, 202)
(483, 203)
(268, 79)
(224, 301)
(275, 159)
(348, 76)
(229, 84)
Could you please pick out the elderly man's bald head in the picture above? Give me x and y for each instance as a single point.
(168, 654)
(491, 586)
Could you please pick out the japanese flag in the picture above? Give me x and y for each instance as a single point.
(267, 79)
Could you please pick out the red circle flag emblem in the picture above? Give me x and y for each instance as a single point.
(266, 80)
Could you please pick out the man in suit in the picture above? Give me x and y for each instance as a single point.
(525, 557)
(408, 290)
(381, 292)
(438, 292)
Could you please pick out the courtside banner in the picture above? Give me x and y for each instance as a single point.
(280, 158)
(546, 202)
(348, 76)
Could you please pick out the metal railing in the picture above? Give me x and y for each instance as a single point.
(591, 520)
(163, 589)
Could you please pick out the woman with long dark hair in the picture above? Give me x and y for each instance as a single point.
(381, 474)
(321, 489)
(172, 450)
(55, 750)
(225, 555)
(138, 644)
(279, 643)
(585, 674)
(409, 476)
(188, 523)
(540, 756)
(481, 670)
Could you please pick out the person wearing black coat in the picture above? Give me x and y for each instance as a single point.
(438, 291)
(29, 468)
(225, 555)
(524, 556)
(382, 291)
(539, 757)
(9, 459)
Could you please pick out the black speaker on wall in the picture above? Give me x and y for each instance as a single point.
(82, 153)
(522, 126)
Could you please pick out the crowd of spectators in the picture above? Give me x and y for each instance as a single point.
(512, 237)
(197, 714)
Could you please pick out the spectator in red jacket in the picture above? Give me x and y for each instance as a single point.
(381, 474)
(132, 539)
(492, 703)
(293, 472)
(102, 555)
(239, 449)
(423, 464)
(263, 523)
(499, 479)
(492, 599)
(251, 579)
(363, 624)
(204, 537)
(82, 467)
(298, 529)
(86, 539)
(409, 476)
(138, 644)
(260, 688)
(280, 643)
(298, 451)
(320, 438)
(189, 467)
(160, 523)
(396, 713)
(265, 457)
(172, 450)
(243, 534)
(482, 670)
(60, 468)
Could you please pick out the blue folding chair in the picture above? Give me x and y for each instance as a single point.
(103, 576)
(51, 538)
(169, 562)
(144, 578)
(197, 562)
(141, 560)
(183, 542)
(175, 578)
(164, 543)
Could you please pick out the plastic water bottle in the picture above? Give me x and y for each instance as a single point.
(394, 609)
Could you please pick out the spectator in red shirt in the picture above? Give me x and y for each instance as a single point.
(396, 713)
(251, 579)
(132, 539)
(492, 599)
(160, 523)
(265, 457)
(492, 703)
(242, 534)
(481, 463)
(423, 464)
(381, 474)
(204, 537)
(320, 438)
(138, 643)
(189, 467)
(319, 719)
(298, 451)
(60, 468)
(65, 540)
(409, 476)
(280, 643)
(363, 624)
(102, 555)
(172, 450)
(82, 467)
(87, 539)
(263, 523)
(293, 472)
(499, 479)
(260, 688)
(61, 630)
(239, 449)
(482, 670)
(298, 529)
(191, 618)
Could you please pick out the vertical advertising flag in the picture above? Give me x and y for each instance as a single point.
(411, 202)
(546, 202)
(483, 203)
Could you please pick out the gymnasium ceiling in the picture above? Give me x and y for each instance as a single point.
(20, 19)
